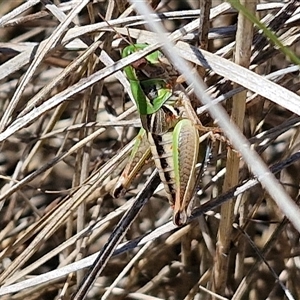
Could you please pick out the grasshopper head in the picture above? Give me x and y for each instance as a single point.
(152, 62)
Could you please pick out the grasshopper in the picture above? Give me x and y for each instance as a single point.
(169, 133)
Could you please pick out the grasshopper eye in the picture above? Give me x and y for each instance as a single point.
(139, 64)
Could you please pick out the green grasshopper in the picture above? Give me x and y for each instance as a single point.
(168, 134)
